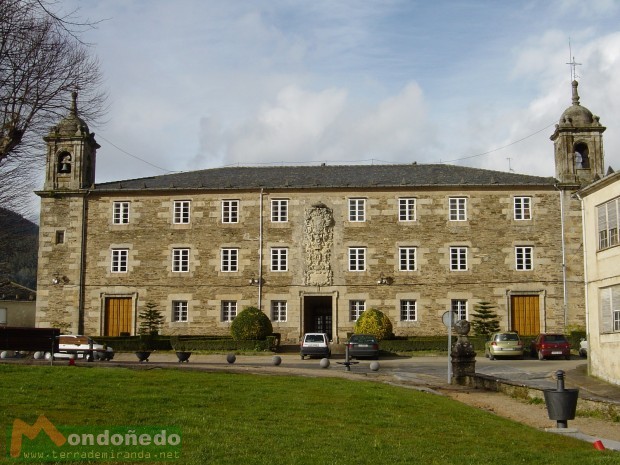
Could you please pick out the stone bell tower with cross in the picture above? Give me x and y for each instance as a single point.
(69, 174)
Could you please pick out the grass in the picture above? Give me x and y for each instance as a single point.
(230, 418)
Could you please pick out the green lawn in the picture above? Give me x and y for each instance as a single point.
(229, 418)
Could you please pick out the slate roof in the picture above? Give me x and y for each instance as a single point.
(329, 176)
(13, 291)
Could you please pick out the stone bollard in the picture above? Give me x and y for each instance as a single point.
(561, 403)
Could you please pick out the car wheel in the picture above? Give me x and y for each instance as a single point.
(568, 357)
(540, 355)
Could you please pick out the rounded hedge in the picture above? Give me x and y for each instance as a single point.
(375, 322)
(251, 324)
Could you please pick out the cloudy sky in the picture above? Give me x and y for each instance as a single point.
(197, 84)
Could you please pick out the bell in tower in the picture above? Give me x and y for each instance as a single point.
(71, 152)
(578, 144)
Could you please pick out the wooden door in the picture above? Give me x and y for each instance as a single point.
(117, 316)
(525, 314)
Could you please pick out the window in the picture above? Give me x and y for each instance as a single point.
(181, 211)
(522, 208)
(278, 310)
(356, 308)
(523, 258)
(279, 259)
(357, 210)
(60, 237)
(119, 260)
(407, 258)
(610, 309)
(459, 307)
(230, 260)
(408, 310)
(229, 310)
(608, 215)
(230, 211)
(458, 209)
(406, 209)
(458, 258)
(357, 259)
(180, 260)
(120, 213)
(179, 310)
(279, 210)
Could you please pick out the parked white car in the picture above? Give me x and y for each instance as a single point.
(583, 348)
(80, 346)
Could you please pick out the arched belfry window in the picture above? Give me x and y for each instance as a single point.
(64, 162)
(582, 159)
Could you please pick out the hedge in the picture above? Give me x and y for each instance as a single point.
(192, 343)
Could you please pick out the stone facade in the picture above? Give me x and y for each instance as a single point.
(310, 246)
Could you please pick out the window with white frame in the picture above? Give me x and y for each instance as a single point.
(120, 213)
(608, 223)
(181, 211)
(458, 258)
(524, 258)
(279, 210)
(230, 211)
(230, 260)
(407, 258)
(279, 259)
(522, 208)
(356, 308)
(610, 309)
(458, 208)
(229, 310)
(357, 210)
(119, 260)
(406, 209)
(180, 260)
(278, 311)
(408, 310)
(459, 306)
(180, 310)
(357, 259)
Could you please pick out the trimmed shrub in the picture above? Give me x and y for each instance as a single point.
(251, 324)
(375, 322)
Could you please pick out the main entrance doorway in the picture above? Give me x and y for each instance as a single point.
(525, 314)
(117, 316)
(318, 314)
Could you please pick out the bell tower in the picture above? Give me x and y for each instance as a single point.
(69, 176)
(578, 144)
(71, 153)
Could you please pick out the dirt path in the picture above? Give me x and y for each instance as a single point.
(534, 415)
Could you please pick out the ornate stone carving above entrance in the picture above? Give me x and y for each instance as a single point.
(318, 241)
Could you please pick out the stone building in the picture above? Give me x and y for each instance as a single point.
(314, 246)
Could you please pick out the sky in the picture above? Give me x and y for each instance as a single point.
(196, 84)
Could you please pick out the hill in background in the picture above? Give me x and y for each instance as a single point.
(19, 245)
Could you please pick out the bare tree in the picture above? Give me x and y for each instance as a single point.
(42, 61)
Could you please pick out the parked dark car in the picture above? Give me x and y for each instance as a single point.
(363, 345)
(315, 345)
(550, 345)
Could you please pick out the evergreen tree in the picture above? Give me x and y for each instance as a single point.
(485, 321)
(151, 320)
